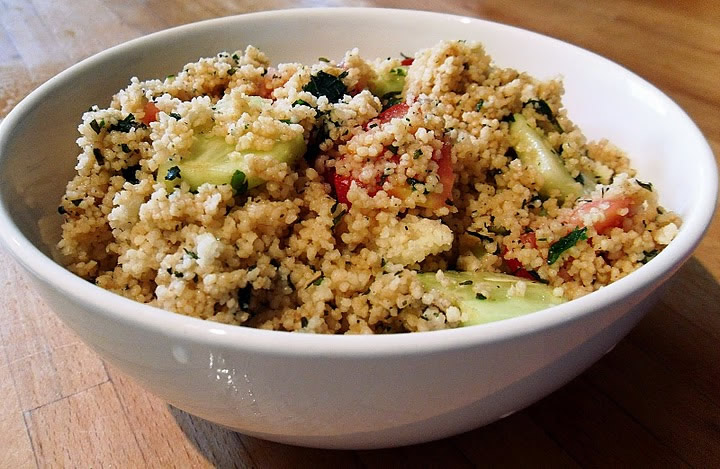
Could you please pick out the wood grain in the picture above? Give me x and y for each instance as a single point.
(653, 401)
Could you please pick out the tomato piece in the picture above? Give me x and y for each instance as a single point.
(342, 186)
(407, 61)
(615, 211)
(529, 239)
(398, 110)
(151, 112)
(443, 158)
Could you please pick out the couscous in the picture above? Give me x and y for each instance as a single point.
(359, 196)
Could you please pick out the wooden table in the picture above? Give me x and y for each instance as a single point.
(653, 401)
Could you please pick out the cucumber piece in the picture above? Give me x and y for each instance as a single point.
(498, 306)
(533, 150)
(390, 82)
(209, 161)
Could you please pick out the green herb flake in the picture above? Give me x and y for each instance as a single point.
(236, 58)
(383, 262)
(98, 156)
(191, 254)
(324, 84)
(479, 105)
(231, 72)
(579, 178)
(300, 102)
(479, 236)
(645, 185)
(542, 107)
(412, 182)
(466, 282)
(130, 173)
(418, 153)
(124, 125)
(393, 149)
(172, 173)
(399, 71)
(323, 59)
(303, 321)
(95, 126)
(565, 243)
(239, 182)
(285, 121)
(317, 281)
(480, 296)
(125, 148)
(175, 116)
(649, 255)
(338, 217)
(499, 230)
(178, 274)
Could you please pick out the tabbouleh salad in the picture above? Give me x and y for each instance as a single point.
(359, 196)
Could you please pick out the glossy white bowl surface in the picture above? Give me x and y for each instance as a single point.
(349, 392)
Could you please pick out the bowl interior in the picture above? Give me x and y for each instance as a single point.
(37, 140)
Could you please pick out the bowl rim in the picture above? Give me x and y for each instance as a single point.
(139, 315)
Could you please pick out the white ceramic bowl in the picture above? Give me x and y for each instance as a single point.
(349, 392)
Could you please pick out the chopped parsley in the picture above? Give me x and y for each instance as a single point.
(191, 254)
(480, 296)
(565, 243)
(645, 185)
(236, 58)
(338, 217)
(481, 237)
(231, 72)
(649, 255)
(175, 116)
(285, 121)
(391, 99)
(412, 182)
(323, 59)
(303, 321)
(317, 281)
(542, 107)
(239, 182)
(124, 125)
(399, 71)
(324, 84)
(125, 148)
(479, 105)
(393, 149)
(129, 173)
(300, 102)
(98, 156)
(95, 126)
(466, 282)
(498, 230)
(579, 178)
(508, 118)
(418, 153)
(172, 173)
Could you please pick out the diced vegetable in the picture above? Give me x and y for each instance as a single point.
(151, 112)
(565, 243)
(609, 212)
(392, 81)
(209, 161)
(446, 175)
(533, 150)
(484, 297)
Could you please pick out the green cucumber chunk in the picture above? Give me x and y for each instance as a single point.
(461, 291)
(534, 150)
(210, 162)
(390, 82)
